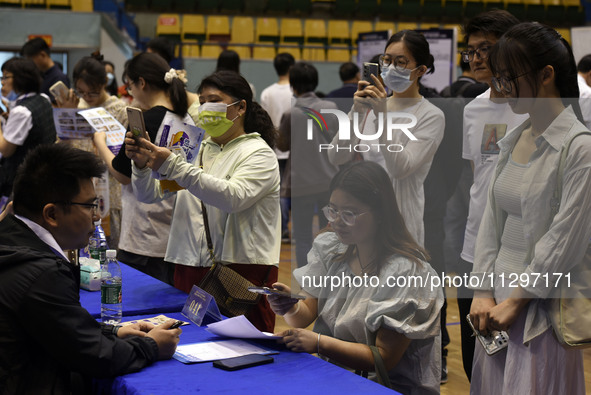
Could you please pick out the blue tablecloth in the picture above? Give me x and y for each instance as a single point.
(290, 373)
(141, 294)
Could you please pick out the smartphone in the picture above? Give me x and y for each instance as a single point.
(136, 122)
(60, 91)
(492, 343)
(245, 361)
(272, 291)
(368, 70)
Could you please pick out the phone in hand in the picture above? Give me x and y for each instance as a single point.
(368, 70)
(493, 342)
(60, 91)
(245, 361)
(272, 291)
(176, 324)
(136, 123)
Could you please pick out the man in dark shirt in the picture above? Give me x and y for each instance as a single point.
(349, 74)
(38, 51)
(48, 341)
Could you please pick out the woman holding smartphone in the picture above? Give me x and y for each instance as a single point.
(520, 235)
(145, 227)
(368, 244)
(236, 178)
(405, 60)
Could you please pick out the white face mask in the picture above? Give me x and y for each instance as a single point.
(110, 78)
(398, 81)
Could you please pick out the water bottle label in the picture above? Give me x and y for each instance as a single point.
(111, 293)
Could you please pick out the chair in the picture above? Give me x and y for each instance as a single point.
(294, 50)
(406, 26)
(574, 13)
(211, 49)
(389, 26)
(516, 7)
(193, 28)
(453, 10)
(242, 33)
(169, 25)
(564, 32)
(34, 3)
(360, 27)
(217, 28)
(338, 32)
(11, 3)
(555, 11)
(411, 9)
(338, 53)
(315, 34)
(432, 9)
(472, 8)
(299, 7)
(535, 10)
(191, 49)
(61, 4)
(389, 9)
(291, 31)
(367, 8)
(82, 5)
(267, 33)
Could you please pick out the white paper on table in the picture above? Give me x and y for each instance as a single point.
(238, 327)
(216, 350)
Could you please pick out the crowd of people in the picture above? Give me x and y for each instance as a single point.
(411, 175)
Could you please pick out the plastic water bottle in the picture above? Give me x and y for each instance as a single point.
(97, 244)
(111, 308)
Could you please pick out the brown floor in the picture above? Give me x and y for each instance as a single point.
(458, 383)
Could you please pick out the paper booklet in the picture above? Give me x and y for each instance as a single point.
(72, 123)
(216, 350)
(238, 327)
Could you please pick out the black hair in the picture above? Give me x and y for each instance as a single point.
(91, 71)
(152, 68)
(283, 62)
(529, 47)
(112, 88)
(26, 76)
(584, 64)
(417, 45)
(51, 173)
(490, 23)
(303, 77)
(228, 60)
(348, 71)
(369, 183)
(256, 119)
(162, 47)
(35, 46)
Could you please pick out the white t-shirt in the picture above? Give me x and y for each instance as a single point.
(485, 122)
(585, 100)
(276, 99)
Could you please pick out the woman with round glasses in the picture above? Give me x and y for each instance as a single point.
(521, 235)
(406, 158)
(368, 245)
(90, 82)
(29, 124)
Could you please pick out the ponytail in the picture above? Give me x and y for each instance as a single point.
(178, 97)
(258, 120)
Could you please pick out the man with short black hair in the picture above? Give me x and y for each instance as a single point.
(38, 51)
(349, 75)
(46, 336)
(311, 170)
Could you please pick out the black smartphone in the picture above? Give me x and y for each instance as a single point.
(245, 361)
(368, 70)
(176, 324)
(273, 291)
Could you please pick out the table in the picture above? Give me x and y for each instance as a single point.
(291, 373)
(141, 294)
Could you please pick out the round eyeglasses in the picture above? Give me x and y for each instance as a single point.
(400, 62)
(348, 217)
(90, 95)
(504, 84)
(481, 53)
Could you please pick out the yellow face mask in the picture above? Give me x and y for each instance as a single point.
(212, 118)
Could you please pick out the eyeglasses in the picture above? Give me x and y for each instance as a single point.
(504, 84)
(90, 95)
(482, 53)
(92, 206)
(348, 217)
(5, 77)
(400, 62)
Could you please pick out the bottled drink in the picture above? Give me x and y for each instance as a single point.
(111, 308)
(97, 244)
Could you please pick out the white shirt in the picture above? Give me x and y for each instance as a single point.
(479, 115)
(276, 99)
(44, 235)
(553, 248)
(19, 123)
(239, 184)
(407, 168)
(585, 100)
